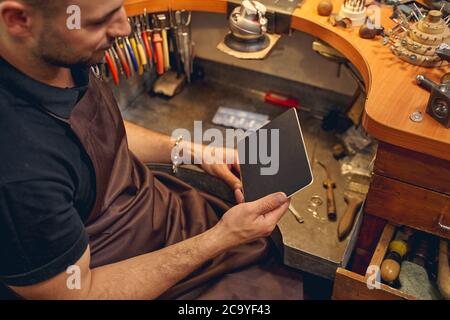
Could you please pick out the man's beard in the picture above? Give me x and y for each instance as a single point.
(53, 51)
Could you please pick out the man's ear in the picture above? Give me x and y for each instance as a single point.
(15, 18)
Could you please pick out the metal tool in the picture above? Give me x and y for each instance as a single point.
(183, 22)
(175, 43)
(133, 44)
(354, 5)
(158, 45)
(439, 103)
(418, 42)
(132, 54)
(369, 31)
(112, 67)
(138, 46)
(248, 26)
(171, 83)
(329, 185)
(354, 10)
(140, 42)
(123, 59)
(163, 24)
(442, 5)
(150, 31)
(146, 37)
(296, 214)
(123, 46)
(117, 60)
(339, 21)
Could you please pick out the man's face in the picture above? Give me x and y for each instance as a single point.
(101, 22)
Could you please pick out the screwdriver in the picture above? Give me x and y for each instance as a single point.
(140, 43)
(159, 54)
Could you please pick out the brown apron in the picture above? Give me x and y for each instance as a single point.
(137, 211)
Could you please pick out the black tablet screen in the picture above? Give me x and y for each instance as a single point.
(274, 158)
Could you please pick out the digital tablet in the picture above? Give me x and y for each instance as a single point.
(274, 158)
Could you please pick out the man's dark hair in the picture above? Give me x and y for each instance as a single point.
(47, 7)
(42, 4)
(35, 3)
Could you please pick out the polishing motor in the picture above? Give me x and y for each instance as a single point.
(248, 26)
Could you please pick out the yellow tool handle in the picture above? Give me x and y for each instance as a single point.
(348, 219)
(136, 54)
(165, 50)
(142, 56)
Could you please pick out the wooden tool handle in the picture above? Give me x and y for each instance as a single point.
(347, 220)
(390, 270)
(331, 204)
(443, 271)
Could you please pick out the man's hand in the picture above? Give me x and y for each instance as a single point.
(247, 222)
(148, 276)
(153, 147)
(222, 163)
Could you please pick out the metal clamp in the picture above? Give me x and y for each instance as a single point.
(279, 23)
(441, 225)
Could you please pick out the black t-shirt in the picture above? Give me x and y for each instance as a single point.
(47, 181)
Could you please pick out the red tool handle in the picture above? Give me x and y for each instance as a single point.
(150, 41)
(123, 61)
(281, 100)
(148, 49)
(157, 40)
(112, 68)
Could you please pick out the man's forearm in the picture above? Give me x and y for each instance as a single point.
(149, 146)
(150, 275)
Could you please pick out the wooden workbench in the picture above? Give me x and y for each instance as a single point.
(392, 93)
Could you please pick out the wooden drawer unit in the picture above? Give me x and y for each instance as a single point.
(412, 189)
(413, 168)
(349, 285)
(406, 204)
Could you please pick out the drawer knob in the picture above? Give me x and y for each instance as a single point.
(442, 225)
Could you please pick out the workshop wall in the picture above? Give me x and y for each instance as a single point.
(292, 58)
(131, 89)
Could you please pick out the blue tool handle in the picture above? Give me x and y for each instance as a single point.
(132, 56)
